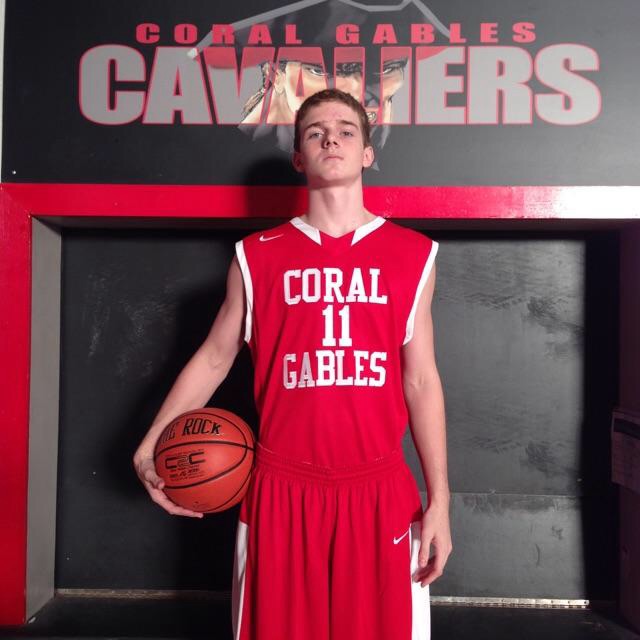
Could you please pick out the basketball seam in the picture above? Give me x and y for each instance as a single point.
(212, 412)
(231, 498)
(190, 442)
(209, 412)
(212, 478)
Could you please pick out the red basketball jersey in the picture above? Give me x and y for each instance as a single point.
(326, 320)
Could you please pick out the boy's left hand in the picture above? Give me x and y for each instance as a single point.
(436, 533)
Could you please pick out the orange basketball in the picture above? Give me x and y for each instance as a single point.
(205, 458)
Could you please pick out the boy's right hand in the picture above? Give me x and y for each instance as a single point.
(153, 483)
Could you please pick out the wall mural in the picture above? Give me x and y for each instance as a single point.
(194, 93)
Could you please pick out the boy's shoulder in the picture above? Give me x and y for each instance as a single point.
(402, 235)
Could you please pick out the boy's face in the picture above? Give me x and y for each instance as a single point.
(332, 150)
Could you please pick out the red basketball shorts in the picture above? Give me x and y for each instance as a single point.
(328, 554)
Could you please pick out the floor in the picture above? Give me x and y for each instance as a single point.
(79, 618)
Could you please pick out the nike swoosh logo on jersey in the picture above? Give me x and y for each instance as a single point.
(396, 540)
(263, 239)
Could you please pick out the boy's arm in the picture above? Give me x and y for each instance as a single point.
(196, 383)
(425, 402)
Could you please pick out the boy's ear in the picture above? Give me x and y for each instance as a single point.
(297, 162)
(368, 157)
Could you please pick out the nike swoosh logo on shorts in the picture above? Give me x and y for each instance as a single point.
(396, 540)
(263, 239)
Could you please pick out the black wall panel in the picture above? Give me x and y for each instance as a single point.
(526, 340)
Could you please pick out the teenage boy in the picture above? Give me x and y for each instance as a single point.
(335, 306)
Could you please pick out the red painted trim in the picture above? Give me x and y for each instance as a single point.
(218, 201)
(15, 334)
(19, 201)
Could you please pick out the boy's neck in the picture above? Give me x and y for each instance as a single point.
(336, 210)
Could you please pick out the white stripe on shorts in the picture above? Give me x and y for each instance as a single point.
(239, 566)
(420, 607)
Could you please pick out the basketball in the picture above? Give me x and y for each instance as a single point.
(205, 458)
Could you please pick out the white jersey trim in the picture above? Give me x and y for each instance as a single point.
(366, 229)
(423, 281)
(248, 288)
(307, 229)
(314, 233)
